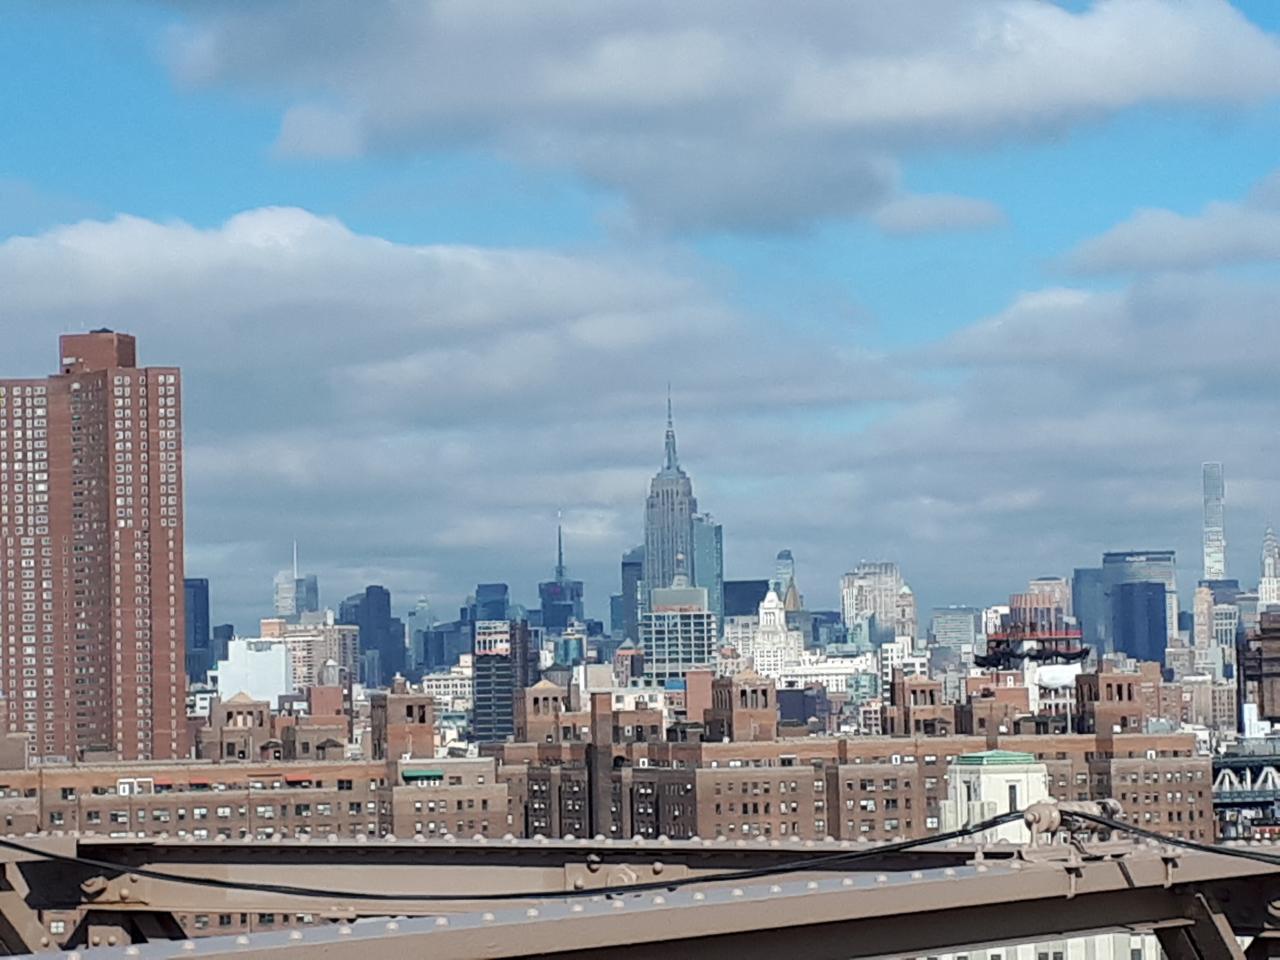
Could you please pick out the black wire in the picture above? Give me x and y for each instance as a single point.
(809, 863)
(1134, 830)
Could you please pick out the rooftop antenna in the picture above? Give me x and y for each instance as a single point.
(672, 461)
(559, 547)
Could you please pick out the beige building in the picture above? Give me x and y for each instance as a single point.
(313, 642)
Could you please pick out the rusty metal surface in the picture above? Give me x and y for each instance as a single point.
(117, 903)
(1197, 902)
(421, 868)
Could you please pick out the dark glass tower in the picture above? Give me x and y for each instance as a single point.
(199, 653)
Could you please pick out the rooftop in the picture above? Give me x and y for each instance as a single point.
(995, 758)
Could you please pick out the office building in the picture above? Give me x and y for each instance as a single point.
(956, 628)
(617, 617)
(199, 639)
(1215, 533)
(708, 561)
(1138, 625)
(223, 634)
(632, 586)
(784, 572)
(504, 663)
(295, 594)
(771, 646)
(492, 602)
(418, 622)
(1089, 604)
(668, 521)
(872, 591)
(742, 598)
(561, 598)
(379, 631)
(92, 624)
(678, 633)
(314, 642)
(1139, 566)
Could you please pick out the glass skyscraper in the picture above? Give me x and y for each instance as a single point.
(708, 562)
(1138, 566)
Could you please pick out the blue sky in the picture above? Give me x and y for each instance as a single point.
(838, 329)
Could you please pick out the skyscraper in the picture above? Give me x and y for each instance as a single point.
(708, 561)
(668, 521)
(504, 663)
(1089, 604)
(561, 598)
(784, 572)
(492, 602)
(742, 598)
(296, 594)
(871, 590)
(1138, 626)
(223, 634)
(379, 632)
(677, 633)
(1269, 584)
(92, 625)
(957, 628)
(1137, 566)
(632, 584)
(784, 581)
(1215, 533)
(199, 655)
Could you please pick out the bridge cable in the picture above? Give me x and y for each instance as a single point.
(1136, 831)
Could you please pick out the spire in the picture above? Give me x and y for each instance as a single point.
(295, 559)
(672, 461)
(559, 549)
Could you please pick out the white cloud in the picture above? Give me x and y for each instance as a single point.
(417, 415)
(932, 213)
(403, 405)
(1154, 240)
(719, 115)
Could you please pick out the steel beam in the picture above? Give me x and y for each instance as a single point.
(834, 918)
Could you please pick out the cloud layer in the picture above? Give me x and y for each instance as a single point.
(430, 407)
(417, 415)
(715, 116)
(1222, 234)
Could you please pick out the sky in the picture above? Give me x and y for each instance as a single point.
(971, 285)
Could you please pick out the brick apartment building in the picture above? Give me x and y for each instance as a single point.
(91, 568)
(608, 777)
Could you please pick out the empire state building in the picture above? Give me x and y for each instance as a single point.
(668, 521)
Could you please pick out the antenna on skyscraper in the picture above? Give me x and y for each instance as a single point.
(672, 460)
(295, 559)
(559, 548)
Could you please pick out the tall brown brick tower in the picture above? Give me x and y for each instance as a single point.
(91, 562)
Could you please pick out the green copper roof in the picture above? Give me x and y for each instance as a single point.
(990, 758)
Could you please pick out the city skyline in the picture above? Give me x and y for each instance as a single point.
(986, 336)
(285, 582)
